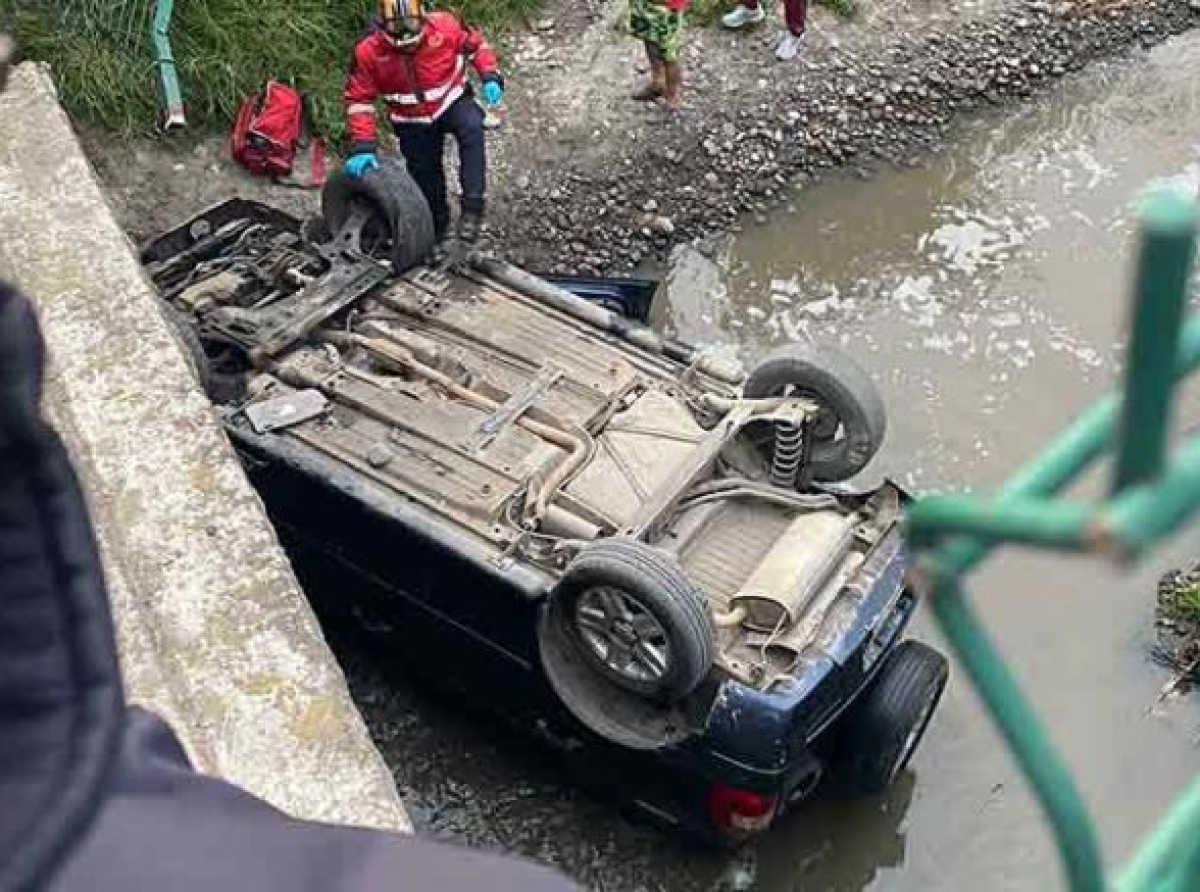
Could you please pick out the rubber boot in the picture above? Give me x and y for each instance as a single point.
(470, 226)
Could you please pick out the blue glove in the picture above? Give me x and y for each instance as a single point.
(359, 164)
(492, 92)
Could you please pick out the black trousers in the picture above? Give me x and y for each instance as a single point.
(422, 146)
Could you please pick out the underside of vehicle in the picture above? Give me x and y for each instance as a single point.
(682, 522)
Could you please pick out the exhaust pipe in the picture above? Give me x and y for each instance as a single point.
(725, 371)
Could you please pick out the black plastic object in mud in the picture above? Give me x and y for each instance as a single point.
(852, 422)
(383, 214)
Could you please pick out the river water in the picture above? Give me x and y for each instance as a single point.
(986, 291)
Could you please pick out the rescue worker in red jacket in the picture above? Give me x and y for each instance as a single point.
(416, 62)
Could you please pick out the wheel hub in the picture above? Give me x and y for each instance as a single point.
(623, 630)
(623, 635)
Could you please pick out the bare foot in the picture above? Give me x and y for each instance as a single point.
(648, 93)
(671, 102)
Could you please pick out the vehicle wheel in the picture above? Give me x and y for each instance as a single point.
(383, 214)
(636, 618)
(852, 423)
(189, 340)
(886, 726)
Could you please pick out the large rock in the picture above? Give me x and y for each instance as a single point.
(215, 634)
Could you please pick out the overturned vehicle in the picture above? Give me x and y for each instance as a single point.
(627, 547)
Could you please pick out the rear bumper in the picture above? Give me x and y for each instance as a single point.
(783, 742)
(765, 732)
(681, 796)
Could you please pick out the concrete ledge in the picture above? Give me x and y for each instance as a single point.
(215, 633)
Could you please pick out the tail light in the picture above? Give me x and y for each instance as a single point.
(740, 810)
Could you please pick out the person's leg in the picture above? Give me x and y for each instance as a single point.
(747, 12)
(422, 145)
(657, 85)
(673, 97)
(641, 26)
(669, 40)
(795, 13)
(464, 119)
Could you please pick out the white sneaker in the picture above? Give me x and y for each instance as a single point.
(789, 46)
(740, 16)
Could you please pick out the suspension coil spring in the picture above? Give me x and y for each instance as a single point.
(789, 452)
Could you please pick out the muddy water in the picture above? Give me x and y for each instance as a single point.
(986, 291)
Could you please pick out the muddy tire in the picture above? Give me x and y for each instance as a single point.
(886, 726)
(853, 422)
(636, 618)
(189, 341)
(401, 228)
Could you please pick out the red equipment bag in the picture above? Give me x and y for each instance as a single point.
(266, 133)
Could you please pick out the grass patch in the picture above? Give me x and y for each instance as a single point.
(1177, 624)
(1185, 603)
(705, 12)
(225, 49)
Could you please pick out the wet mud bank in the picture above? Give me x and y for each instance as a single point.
(1177, 628)
(625, 200)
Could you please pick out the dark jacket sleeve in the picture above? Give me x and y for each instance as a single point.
(164, 826)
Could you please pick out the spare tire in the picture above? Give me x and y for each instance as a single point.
(853, 421)
(636, 618)
(399, 225)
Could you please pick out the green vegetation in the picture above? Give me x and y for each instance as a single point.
(1178, 627)
(225, 50)
(1185, 602)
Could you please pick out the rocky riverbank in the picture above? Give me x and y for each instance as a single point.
(583, 179)
(1177, 625)
(634, 182)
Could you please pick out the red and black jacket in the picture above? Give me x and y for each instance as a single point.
(416, 86)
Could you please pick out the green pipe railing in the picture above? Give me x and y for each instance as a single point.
(171, 114)
(1152, 496)
(1162, 286)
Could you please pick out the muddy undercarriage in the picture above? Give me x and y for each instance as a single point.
(685, 518)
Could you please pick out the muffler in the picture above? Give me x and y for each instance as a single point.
(793, 571)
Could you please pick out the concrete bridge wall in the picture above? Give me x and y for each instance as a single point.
(215, 634)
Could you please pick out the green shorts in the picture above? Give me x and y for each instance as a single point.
(661, 29)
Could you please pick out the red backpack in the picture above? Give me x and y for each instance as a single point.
(266, 133)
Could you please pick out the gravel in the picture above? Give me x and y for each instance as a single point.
(661, 182)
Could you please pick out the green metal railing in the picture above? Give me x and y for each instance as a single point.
(1152, 494)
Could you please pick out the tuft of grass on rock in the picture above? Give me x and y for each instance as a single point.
(1185, 602)
(1177, 623)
